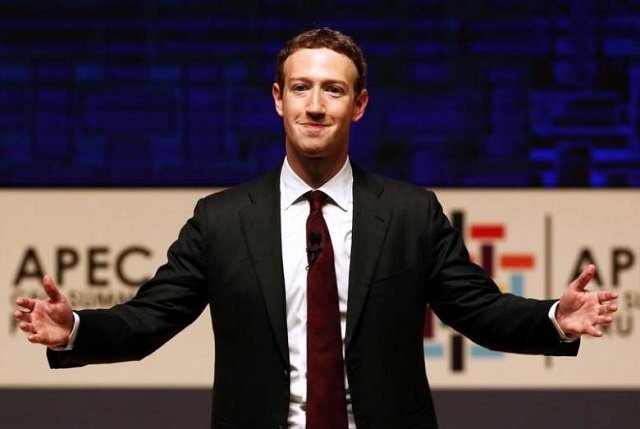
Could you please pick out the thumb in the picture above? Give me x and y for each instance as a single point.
(584, 278)
(50, 288)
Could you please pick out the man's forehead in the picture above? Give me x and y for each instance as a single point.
(304, 60)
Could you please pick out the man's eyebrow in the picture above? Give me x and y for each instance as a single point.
(324, 81)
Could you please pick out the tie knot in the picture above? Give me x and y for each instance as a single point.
(316, 199)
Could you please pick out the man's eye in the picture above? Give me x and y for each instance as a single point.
(333, 89)
(299, 87)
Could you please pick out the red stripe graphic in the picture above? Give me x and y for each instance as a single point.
(515, 260)
(487, 231)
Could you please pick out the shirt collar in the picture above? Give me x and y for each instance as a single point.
(339, 188)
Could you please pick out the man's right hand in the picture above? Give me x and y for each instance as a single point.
(48, 322)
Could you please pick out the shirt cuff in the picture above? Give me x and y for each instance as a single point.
(552, 316)
(72, 335)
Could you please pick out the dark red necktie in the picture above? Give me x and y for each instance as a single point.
(326, 396)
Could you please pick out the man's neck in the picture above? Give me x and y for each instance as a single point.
(315, 172)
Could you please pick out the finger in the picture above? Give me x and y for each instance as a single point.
(608, 309)
(584, 278)
(22, 316)
(36, 339)
(27, 327)
(41, 338)
(50, 288)
(599, 321)
(603, 320)
(607, 295)
(594, 332)
(26, 303)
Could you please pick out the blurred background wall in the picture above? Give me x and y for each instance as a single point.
(463, 93)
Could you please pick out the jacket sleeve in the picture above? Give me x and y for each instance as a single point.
(465, 298)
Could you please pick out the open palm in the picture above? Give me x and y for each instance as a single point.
(46, 321)
(581, 311)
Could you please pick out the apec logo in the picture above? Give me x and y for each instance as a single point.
(110, 275)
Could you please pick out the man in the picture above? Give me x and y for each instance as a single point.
(251, 254)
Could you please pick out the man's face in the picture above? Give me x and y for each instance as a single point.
(318, 103)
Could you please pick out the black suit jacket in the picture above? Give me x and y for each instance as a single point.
(405, 255)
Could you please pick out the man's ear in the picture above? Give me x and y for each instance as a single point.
(277, 97)
(360, 105)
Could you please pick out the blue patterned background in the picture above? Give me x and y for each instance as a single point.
(177, 93)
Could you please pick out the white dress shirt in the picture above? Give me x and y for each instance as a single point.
(294, 210)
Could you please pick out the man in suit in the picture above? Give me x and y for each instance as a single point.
(243, 253)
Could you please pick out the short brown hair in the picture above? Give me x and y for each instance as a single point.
(324, 38)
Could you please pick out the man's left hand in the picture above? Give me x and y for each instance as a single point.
(581, 311)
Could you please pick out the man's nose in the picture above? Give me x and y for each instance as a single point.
(315, 103)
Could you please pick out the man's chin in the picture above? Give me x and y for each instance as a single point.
(313, 151)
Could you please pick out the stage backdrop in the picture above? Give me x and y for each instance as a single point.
(100, 244)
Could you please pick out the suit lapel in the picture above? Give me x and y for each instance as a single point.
(261, 226)
(371, 219)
